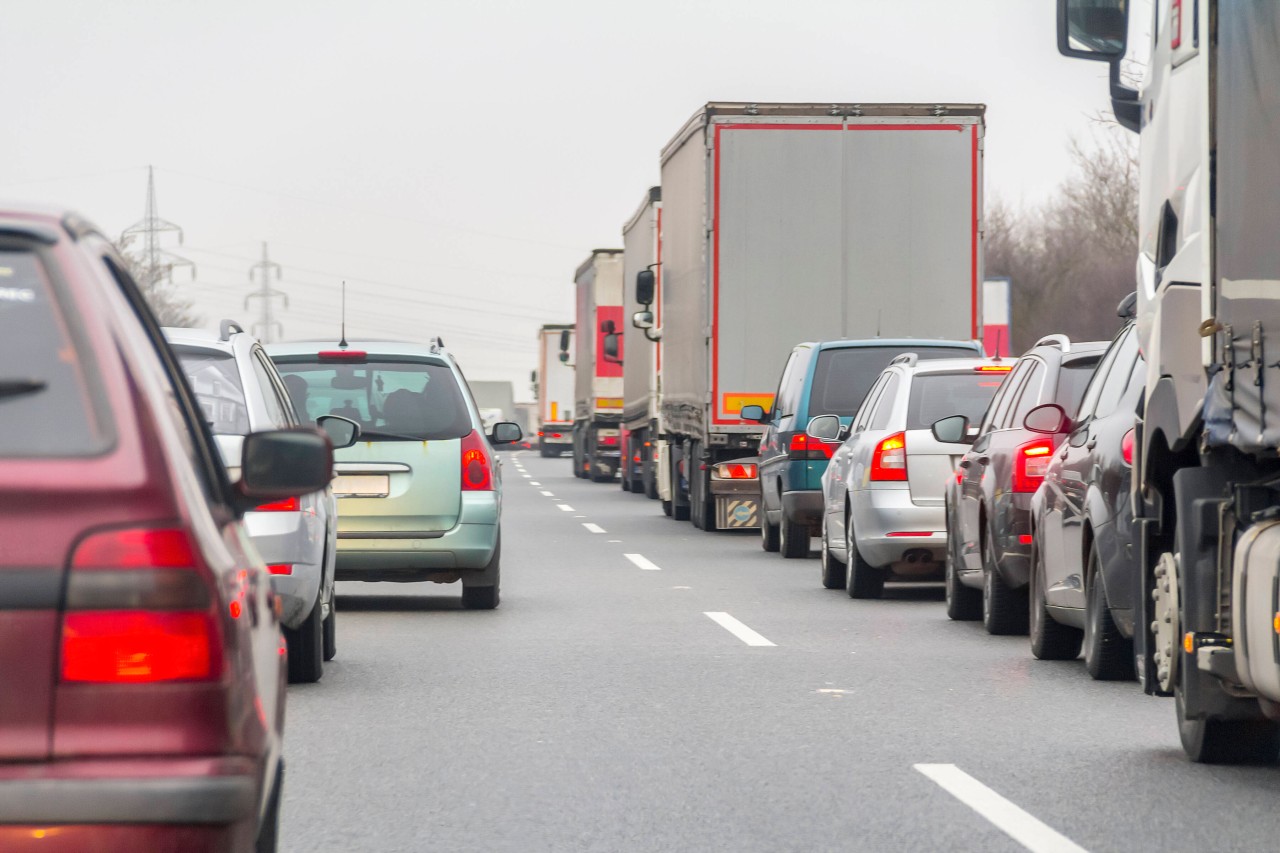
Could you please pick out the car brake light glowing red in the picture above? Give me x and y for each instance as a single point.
(286, 505)
(138, 646)
(280, 568)
(805, 447)
(737, 471)
(477, 465)
(342, 355)
(993, 368)
(1126, 448)
(916, 533)
(1030, 463)
(1025, 539)
(609, 440)
(889, 460)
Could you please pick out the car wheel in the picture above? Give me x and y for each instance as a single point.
(666, 508)
(865, 580)
(833, 571)
(1108, 654)
(331, 630)
(1225, 741)
(1004, 610)
(793, 539)
(769, 536)
(485, 597)
(1050, 639)
(269, 828)
(306, 648)
(963, 603)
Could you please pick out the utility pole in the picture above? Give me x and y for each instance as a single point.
(266, 325)
(157, 262)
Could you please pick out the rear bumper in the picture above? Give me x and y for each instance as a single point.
(880, 512)
(408, 555)
(803, 506)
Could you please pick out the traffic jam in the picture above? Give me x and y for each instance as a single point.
(795, 344)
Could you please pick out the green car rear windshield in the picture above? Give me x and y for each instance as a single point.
(844, 375)
(392, 400)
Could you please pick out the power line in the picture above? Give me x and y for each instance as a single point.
(266, 297)
(158, 262)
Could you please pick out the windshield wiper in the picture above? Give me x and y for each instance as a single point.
(391, 436)
(19, 387)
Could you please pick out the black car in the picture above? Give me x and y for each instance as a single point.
(989, 505)
(1084, 562)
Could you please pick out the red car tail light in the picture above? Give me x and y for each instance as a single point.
(609, 440)
(889, 461)
(1126, 448)
(280, 568)
(477, 464)
(805, 447)
(286, 505)
(139, 610)
(342, 355)
(1030, 461)
(737, 471)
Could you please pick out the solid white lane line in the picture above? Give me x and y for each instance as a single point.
(1008, 818)
(733, 626)
(594, 528)
(566, 507)
(547, 495)
(643, 562)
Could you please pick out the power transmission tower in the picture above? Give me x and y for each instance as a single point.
(157, 262)
(266, 293)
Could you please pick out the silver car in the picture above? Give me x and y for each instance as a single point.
(241, 392)
(883, 508)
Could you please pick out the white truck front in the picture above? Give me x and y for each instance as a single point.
(1207, 494)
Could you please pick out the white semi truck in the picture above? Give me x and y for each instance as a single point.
(1207, 489)
(553, 387)
(642, 372)
(597, 434)
(784, 223)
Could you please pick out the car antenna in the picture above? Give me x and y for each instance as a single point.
(999, 332)
(342, 344)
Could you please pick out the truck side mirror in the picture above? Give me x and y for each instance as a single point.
(607, 327)
(1093, 29)
(610, 344)
(564, 342)
(564, 356)
(642, 319)
(644, 287)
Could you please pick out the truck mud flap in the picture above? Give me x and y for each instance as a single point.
(737, 513)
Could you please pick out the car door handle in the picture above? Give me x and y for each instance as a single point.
(1091, 443)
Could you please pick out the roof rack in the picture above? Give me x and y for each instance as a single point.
(228, 328)
(1060, 341)
(907, 358)
(437, 344)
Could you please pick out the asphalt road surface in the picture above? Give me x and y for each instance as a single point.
(645, 686)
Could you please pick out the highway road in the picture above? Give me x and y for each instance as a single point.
(645, 686)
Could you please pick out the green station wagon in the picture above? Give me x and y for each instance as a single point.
(420, 494)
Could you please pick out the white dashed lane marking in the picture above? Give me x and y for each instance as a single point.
(548, 495)
(594, 528)
(565, 507)
(739, 630)
(643, 562)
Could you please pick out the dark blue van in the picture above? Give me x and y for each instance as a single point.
(827, 378)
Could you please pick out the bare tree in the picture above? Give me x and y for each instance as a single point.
(1072, 259)
(156, 284)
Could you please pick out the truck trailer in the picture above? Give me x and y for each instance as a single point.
(597, 419)
(784, 223)
(642, 372)
(1206, 609)
(495, 400)
(553, 388)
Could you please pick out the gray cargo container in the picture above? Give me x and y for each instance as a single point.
(805, 222)
(642, 372)
(553, 386)
(597, 396)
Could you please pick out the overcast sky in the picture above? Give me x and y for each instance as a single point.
(454, 162)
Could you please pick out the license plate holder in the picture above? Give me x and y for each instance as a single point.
(361, 486)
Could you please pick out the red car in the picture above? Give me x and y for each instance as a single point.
(142, 669)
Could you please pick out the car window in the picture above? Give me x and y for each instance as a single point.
(935, 396)
(869, 404)
(1090, 400)
(216, 381)
(391, 399)
(51, 399)
(885, 405)
(1118, 376)
(276, 409)
(783, 383)
(843, 376)
(997, 418)
(1073, 378)
(792, 385)
(1031, 395)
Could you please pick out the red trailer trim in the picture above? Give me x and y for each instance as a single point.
(715, 250)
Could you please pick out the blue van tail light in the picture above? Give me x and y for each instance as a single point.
(805, 447)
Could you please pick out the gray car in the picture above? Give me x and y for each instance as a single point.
(241, 392)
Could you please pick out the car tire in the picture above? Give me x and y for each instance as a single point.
(834, 574)
(865, 580)
(330, 640)
(793, 538)
(625, 482)
(306, 648)
(485, 597)
(1004, 610)
(1050, 639)
(770, 540)
(1225, 741)
(666, 508)
(1108, 654)
(964, 604)
(268, 837)
(547, 454)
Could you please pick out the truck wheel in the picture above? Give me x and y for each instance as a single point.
(1108, 654)
(834, 574)
(1225, 741)
(1050, 639)
(963, 604)
(794, 539)
(666, 508)
(768, 533)
(306, 648)
(625, 481)
(865, 580)
(1004, 610)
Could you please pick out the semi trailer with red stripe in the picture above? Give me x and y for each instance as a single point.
(553, 386)
(784, 223)
(597, 437)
